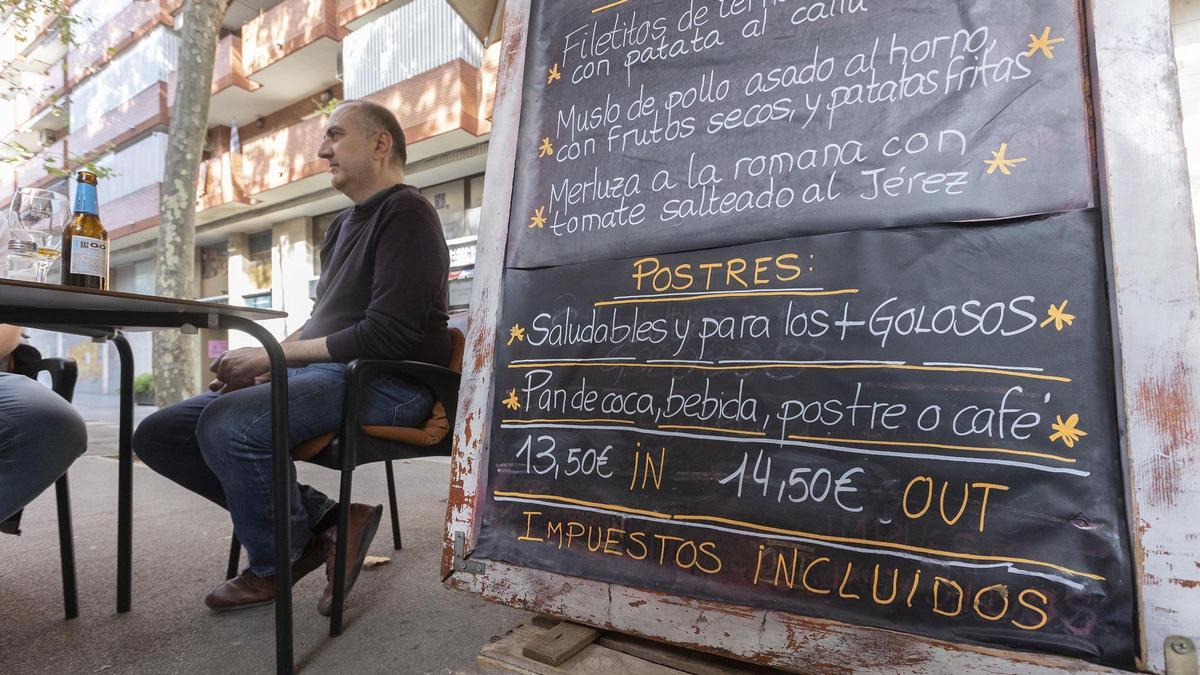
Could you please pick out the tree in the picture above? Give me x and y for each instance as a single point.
(174, 371)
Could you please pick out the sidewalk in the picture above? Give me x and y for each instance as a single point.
(399, 617)
(102, 414)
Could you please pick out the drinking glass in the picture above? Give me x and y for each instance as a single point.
(35, 226)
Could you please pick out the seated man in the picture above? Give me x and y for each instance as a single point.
(40, 435)
(382, 294)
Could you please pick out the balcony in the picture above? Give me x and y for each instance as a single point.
(111, 37)
(285, 156)
(228, 70)
(286, 53)
(220, 187)
(440, 107)
(287, 28)
(136, 116)
(132, 213)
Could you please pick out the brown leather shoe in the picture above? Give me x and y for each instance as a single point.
(363, 521)
(250, 590)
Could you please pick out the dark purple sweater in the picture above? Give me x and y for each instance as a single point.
(383, 287)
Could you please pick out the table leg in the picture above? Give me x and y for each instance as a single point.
(125, 478)
(281, 492)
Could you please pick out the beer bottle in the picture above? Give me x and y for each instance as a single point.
(85, 241)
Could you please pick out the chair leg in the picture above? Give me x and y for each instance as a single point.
(339, 564)
(66, 548)
(235, 555)
(391, 482)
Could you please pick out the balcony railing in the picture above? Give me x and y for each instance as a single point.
(109, 38)
(133, 212)
(285, 28)
(228, 69)
(221, 181)
(139, 114)
(373, 58)
(284, 156)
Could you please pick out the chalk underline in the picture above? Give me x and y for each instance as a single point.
(756, 529)
(624, 362)
(710, 295)
(815, 442)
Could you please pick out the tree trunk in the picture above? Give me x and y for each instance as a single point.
(175, 353)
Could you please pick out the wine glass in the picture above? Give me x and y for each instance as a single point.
(35, 226)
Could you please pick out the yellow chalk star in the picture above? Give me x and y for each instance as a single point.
(538, 219)
(512, 401)
(1067, 431)
(1000, 161)
(1059, 316)
(517, 332)
(553, 75)
(1043, 43)
(545, 148)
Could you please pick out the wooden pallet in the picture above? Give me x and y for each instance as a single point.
(550, 647)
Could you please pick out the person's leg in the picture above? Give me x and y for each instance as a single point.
(234, 435)
(40, 435)
(166, 442)
(390, 400)
(396, 401)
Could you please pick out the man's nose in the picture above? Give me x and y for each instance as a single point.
(325, 151)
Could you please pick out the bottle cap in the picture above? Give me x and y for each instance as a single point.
(85, 177)
(21, 246)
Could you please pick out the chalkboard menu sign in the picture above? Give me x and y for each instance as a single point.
(674, 124)
(847, 404)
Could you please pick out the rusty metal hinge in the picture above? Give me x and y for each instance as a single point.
(459, 563)
(1181, 656)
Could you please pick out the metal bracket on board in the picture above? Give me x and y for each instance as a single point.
(1181, 656)
(460, 564)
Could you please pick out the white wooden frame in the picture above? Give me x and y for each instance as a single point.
(1155, 298)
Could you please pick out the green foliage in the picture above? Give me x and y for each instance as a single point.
(27, 15)
(327, 107)
(17, 154)
(144, 384)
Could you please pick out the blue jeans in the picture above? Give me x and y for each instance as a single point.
(219, 446)
(40, 435)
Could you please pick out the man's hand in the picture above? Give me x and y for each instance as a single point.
(239, 368)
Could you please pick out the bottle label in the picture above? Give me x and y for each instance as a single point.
(85, 199)
(89, 256)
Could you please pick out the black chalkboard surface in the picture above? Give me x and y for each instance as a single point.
(903, 428)
(667, 125)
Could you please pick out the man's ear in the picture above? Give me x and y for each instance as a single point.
(383, 145)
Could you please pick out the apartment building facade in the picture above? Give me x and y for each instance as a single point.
(264, 200)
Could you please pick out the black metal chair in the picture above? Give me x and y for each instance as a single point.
(63, 374)
(344, 451)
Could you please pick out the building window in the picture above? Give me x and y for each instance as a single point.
(214, 270)
(259, 259)
(258, 300)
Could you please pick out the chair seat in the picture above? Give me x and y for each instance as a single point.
(431, 432)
